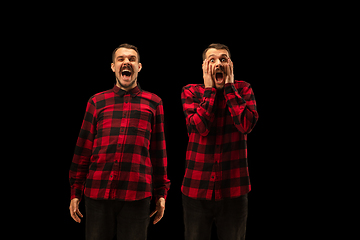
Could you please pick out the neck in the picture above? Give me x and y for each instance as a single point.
(126, 88)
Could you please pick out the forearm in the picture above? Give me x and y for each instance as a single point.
(199, 116)
(80, 164)
(77, 175)
(161, 183)
(158, 155)
(242, 109)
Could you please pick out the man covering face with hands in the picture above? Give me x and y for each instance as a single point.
(219, 114)
(217, 68)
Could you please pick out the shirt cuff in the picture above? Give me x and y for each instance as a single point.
(209, 91)
(157, 197)
(76, 193)
(230, 88)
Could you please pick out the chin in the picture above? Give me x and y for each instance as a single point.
(219, 85)
(127, 84)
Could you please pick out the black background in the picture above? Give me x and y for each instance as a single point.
(267, 51)
(168, 65)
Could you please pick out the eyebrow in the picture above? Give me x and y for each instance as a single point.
(122, 56)
(220, 55)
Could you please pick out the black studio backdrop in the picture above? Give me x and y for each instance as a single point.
(170, 61)
(65, 59)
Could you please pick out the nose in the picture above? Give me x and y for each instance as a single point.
(126, 62)
(217, 62)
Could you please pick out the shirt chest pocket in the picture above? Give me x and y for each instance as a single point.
(141, 120)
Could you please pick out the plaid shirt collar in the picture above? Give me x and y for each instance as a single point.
(133, 92)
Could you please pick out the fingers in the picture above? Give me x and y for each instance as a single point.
(229, 72)
(159, 215)
(205, 67)
(160, 208)
(210, 68)
(75, 215)
(227, 67)
(207, 74)
(75, 212)
(79, 213)
(152, 214)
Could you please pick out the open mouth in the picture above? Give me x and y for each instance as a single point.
(126, 74)
(219, 77)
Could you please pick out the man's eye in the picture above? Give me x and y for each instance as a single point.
(224, 60)
(212, 60)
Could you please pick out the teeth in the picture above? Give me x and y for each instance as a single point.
(126, 72)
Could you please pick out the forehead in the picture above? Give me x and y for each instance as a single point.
(216, 52)
(125, 52)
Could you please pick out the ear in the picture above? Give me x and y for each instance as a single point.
(140, 67)
(113, 67)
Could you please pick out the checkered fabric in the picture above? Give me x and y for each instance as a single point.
(121, 151)
(218, 122)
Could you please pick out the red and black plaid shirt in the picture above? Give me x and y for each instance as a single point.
(218, 122)
(121, 151)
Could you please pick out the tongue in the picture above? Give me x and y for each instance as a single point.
(126, 77)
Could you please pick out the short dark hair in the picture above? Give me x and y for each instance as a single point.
(216, 46)
(126, 45)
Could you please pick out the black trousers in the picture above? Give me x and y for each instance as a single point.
(229, 215)
(107, 218)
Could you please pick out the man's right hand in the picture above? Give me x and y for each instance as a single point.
(207, 74)
(74, 210)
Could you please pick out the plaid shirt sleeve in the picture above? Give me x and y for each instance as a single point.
(242, 107)
(83, 150)
(198, 107)
(158, 155)
(218, 122)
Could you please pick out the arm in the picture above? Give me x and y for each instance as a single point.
(158, 156)
(242, 106)
(159, 162)
(83, 150)
(198, 112)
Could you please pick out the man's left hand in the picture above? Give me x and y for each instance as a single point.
(160, 208)
(229, 68)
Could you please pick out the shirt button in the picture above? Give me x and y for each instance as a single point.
(122, 130)
(111, 176)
